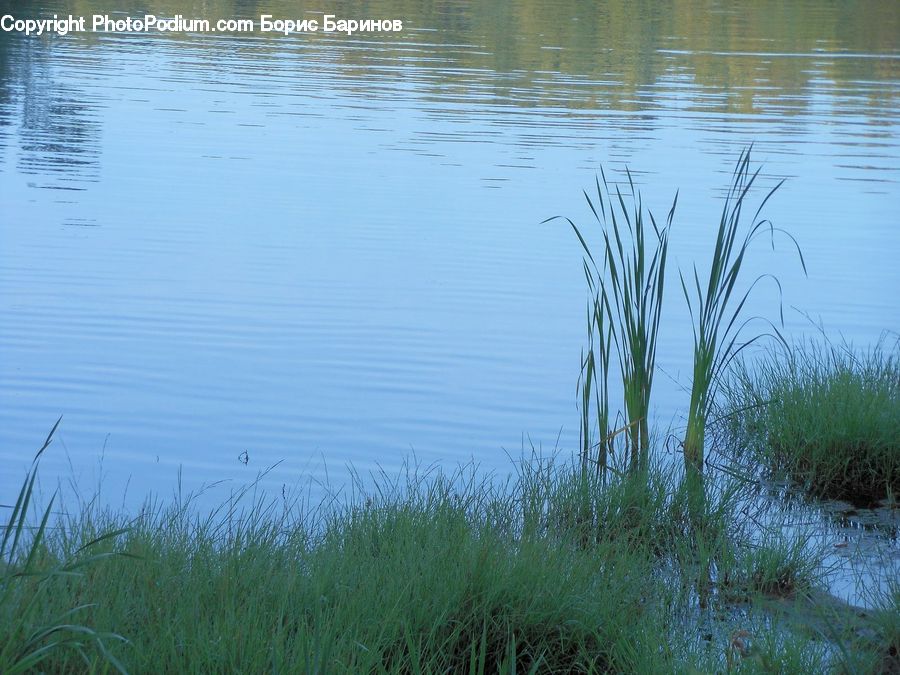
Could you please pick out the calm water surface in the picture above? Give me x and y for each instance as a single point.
(328, 250)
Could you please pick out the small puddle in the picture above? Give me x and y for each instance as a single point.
(860, 547)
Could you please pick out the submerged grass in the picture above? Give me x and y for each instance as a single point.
(826, 416)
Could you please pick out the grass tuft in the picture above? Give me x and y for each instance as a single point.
(780, 566)
(37, 628)
(716, 307)
(827, 417)
(626, 280)
(441, 574)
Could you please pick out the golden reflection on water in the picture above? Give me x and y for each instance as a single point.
(752, 58)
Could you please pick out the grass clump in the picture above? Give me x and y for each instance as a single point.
(779, 566)
(36, 626)
(441, 574)
(555, 570)
(716, 306)
(626, 280)
(827, 417)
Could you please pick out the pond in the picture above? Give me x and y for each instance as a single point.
(221, 252)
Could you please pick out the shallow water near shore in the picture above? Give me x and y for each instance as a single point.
(221, 253)
(860, 548)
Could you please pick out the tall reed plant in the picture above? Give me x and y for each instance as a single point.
(716, 307)
(593, 386)
(627, 287)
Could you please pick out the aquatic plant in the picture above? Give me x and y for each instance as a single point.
(716, 307)
(627, 292)
(593, 385)
(825, 416)
(626, 280)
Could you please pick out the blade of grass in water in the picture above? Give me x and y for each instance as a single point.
(716, 311)
(627, 296)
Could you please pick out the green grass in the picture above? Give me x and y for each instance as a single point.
(885, 645)
(716, 307)
(34, 629)
(443, 575)
(627, 281)
(827, 417)
(557, 570)
(780, 566)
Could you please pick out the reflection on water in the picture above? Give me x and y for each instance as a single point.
(326, 249)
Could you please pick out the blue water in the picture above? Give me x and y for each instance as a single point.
(324, 251)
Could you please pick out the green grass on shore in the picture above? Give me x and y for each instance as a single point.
(554, 572)
(827, 417)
